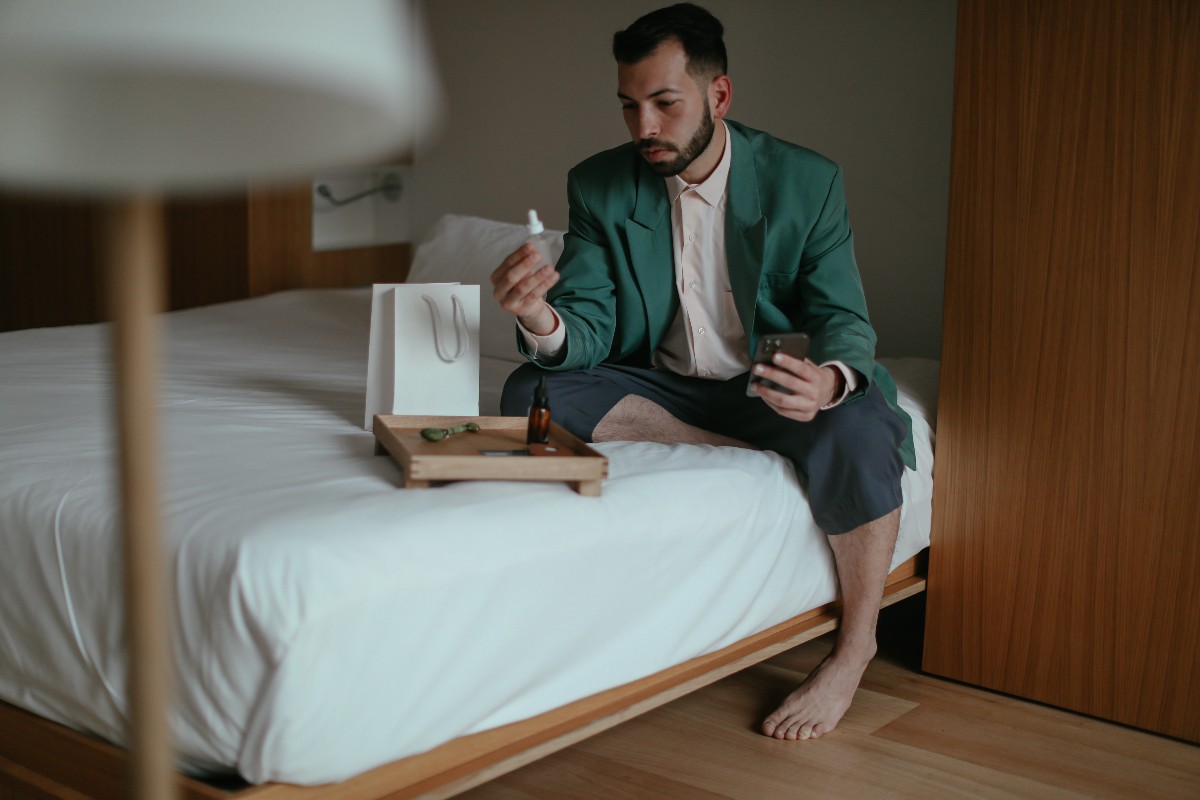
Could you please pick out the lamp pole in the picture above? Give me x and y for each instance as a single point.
(134, 257)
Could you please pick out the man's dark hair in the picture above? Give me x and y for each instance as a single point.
(692, 26)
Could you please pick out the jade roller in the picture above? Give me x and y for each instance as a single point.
(437, 434)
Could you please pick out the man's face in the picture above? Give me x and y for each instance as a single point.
(667, 114)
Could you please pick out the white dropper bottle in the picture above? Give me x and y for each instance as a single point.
(540, 239)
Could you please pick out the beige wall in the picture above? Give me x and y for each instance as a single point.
(530, 91)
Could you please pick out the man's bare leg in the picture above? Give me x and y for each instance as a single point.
(862, 557)
(636, 419)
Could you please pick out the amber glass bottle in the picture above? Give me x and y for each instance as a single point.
(539, 416)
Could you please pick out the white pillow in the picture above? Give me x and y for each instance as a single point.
(467, 250)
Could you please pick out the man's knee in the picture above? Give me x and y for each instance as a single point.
(854, 467)
(578, 398)
(868, 439)
(867, 426)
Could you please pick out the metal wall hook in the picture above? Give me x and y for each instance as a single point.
(390, 188)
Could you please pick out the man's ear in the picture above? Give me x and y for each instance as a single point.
(720, 95)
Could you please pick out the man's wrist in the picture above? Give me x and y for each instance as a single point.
(543, 323)
(545, 348)
(839, 385)
(846, 382)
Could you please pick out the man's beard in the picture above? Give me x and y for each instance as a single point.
(700, 140)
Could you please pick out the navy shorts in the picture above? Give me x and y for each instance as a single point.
(849, 456)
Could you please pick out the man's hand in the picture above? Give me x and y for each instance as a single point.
(520, 288)
(812, 386)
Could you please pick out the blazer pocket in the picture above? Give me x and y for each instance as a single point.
(776, 280)
(777, 269)
(777, 288)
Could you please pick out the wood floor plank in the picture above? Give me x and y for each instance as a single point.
(908, 735)
(1064, 733)
(744, 765)
(1058, 732)
(581, 775)
(1021, 742)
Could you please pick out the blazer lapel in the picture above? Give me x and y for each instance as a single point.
(745, 233)
(649, 233)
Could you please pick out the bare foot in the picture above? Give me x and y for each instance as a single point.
(819, 704)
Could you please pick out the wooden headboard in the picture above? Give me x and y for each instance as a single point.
(219, 248)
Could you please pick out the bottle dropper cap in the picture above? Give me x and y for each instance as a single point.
(540, 396)
(535, 225)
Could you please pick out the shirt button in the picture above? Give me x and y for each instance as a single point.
(708, 373)
(691, 237)
(692, 285)
(700, 330)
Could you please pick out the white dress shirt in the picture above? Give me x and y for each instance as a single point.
(706, 339)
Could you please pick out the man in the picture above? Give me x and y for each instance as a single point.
(684, 248)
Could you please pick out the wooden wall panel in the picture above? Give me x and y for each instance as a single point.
(207, 246)
(1066, 557)
(49, 273)
(281, 254)
(220, 248)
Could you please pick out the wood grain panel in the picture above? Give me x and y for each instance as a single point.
(220, 248)
(1065, 565)
(49, 273)
(281, 254)
(207, 250)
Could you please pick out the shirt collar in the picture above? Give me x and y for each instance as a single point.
(711, 188)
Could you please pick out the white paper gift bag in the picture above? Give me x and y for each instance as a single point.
(424, 353)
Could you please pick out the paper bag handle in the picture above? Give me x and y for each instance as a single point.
(462, 333)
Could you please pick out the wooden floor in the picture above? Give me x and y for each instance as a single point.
(907, 735)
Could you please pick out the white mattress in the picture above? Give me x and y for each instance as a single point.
(329, 622)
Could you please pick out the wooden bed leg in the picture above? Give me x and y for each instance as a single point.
(587, 488)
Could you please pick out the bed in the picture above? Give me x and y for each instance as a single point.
(332, 627)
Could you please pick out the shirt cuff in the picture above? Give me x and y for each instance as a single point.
(849, 383)
(547, 347)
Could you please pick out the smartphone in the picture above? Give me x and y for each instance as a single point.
(792, 344)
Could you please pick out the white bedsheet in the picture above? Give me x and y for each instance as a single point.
(329, 622)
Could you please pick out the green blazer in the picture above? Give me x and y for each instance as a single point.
(788, 244)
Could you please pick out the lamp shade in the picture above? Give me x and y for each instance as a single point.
(168, 95)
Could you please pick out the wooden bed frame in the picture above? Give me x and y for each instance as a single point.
(42, 759)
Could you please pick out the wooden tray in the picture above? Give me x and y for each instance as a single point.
(566, 458)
